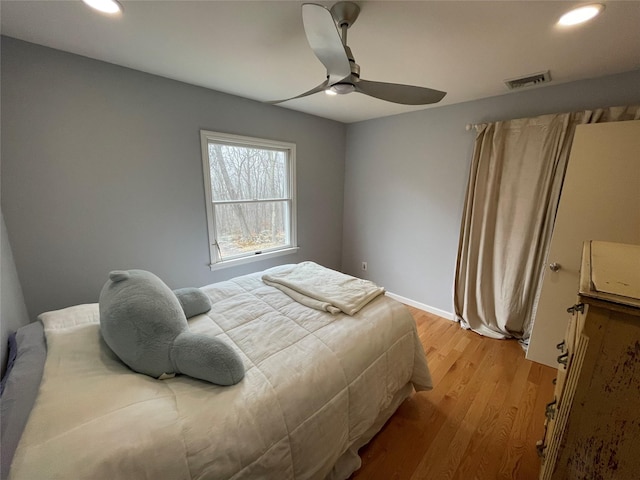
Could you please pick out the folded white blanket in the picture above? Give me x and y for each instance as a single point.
(324, 289)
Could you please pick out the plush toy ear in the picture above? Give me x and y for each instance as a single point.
(118, 275)
(193, 301)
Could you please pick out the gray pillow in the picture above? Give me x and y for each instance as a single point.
(21, 389)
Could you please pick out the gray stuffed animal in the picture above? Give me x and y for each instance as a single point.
(145, 324)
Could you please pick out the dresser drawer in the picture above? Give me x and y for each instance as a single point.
(567, 348)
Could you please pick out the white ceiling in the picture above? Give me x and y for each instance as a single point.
(258, 49)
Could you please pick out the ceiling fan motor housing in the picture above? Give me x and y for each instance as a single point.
(355, 68)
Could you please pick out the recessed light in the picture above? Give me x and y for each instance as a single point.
(105, 6)
(581, 14)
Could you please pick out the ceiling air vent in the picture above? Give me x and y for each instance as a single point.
(529, 80)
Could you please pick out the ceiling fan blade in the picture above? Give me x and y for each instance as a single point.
(398, 93)
(324, 39)
(317, 89)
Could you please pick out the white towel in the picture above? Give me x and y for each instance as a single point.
(324, 289)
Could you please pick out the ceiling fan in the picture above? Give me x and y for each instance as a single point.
(343, 73)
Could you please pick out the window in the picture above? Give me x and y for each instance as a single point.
(250, 193)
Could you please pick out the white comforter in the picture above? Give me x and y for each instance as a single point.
(317, 386)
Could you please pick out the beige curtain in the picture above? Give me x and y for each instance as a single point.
(514, 187)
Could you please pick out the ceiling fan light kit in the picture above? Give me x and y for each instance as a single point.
(343, 73)
(342, 88)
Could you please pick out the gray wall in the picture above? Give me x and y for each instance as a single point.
(13, 312)
(406, 178)
(101, 170)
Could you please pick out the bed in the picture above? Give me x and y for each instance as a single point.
(318, 386)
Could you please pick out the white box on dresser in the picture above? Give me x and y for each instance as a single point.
(593, 423)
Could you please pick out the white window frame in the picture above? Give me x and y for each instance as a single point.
(217, 262)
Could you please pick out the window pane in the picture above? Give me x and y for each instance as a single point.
(244, 173)
(243, 228)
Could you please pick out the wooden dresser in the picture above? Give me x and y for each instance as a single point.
(592, 429)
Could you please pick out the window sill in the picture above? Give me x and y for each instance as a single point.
(253, 258)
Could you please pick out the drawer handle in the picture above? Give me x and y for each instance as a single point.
(578, 307)
(560, 346)
(550, 410)
(540, 448)
(563, 359)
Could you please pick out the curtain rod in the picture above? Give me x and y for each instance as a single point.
(474, 126)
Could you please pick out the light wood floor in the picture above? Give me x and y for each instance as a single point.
(481, 420)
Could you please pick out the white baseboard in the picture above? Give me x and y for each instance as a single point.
(422, 306)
